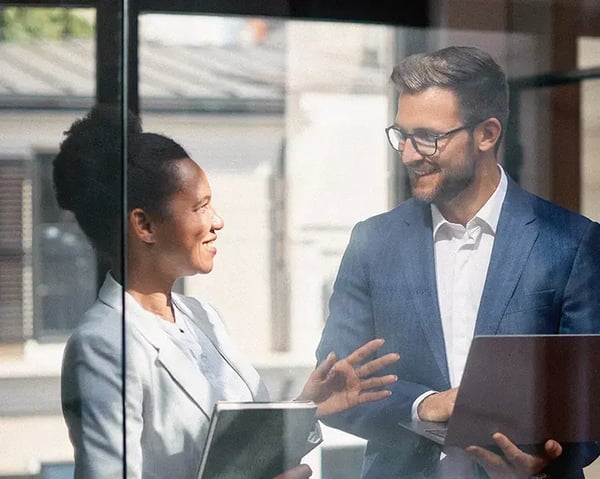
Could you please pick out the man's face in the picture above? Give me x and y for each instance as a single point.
(442, 176)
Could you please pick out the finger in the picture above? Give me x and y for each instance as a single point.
(371, 396)
(378, 382)
(510, 450)
(361, 353)
(375, 365)
(518, 458)
(301, 471)
(324, 368)
(553, 449)
(340, 371)
(485, 458)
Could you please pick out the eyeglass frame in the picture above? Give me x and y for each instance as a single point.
(436, 137)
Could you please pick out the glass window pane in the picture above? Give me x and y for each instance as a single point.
(589, 57)
(286, 120)
(48, 268)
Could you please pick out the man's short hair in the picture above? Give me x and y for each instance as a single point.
(472, 74)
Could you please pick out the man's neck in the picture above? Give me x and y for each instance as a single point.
(464, 206)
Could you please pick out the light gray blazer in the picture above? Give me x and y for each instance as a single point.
(168, 400)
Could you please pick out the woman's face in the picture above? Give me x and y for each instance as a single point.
(185, 238)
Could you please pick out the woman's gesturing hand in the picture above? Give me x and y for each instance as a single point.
(339, 385)
(299, 472)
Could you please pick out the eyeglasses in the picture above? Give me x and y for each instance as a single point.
(424, 142)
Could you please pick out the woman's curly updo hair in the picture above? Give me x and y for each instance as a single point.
(87, 174)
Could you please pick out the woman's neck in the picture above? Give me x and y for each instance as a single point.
(152, 293)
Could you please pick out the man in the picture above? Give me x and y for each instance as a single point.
(470, 253)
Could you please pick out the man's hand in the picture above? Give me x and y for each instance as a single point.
(515, 464)
(299, 472)
(339, 385)
(437, 407)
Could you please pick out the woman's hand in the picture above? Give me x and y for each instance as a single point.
(339, 385)
(301, 471)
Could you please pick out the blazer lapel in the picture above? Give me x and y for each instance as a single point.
(515, 236)
(180, 367)
(177, 364)
(419, 267)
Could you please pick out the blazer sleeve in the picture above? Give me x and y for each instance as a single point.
(93, 409)
(350, 324)
(581, 300)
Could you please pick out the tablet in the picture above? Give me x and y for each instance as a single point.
(254, 439)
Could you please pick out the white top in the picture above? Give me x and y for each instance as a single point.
(227, 385)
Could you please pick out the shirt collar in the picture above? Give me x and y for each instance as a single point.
(489, 213)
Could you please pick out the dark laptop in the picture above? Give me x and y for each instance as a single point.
(529, 387)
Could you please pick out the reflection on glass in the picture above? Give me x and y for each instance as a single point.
(299, 139)
(47, 268)
(589, 57)
(179, 358)
(65, 265)
(286, 117)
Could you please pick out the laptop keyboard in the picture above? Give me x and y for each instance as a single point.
(441, 433)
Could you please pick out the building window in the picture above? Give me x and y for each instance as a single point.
(13, 250)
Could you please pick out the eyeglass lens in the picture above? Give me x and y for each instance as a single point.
(424, 146)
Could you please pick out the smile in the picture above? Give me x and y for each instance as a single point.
(423, 172)
(422, 168)
(210, 245)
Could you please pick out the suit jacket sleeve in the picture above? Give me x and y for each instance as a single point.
(92, 406)
(581, 300)
(581, 315)
(350, 324)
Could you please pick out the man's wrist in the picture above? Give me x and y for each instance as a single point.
(417, 402)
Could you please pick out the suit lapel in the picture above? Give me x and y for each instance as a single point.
(419, 267)
(515, 236)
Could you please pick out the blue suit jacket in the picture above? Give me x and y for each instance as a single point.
(543, 278)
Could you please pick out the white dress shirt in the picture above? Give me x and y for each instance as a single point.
(462, 256)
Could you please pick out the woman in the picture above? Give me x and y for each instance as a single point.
(179, 359)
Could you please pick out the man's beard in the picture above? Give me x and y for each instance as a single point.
(454, 179)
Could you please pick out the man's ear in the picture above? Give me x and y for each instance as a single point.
(487, 134)
(141, 225)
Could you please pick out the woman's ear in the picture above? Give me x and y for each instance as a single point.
(141, 225)
(488, 134)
